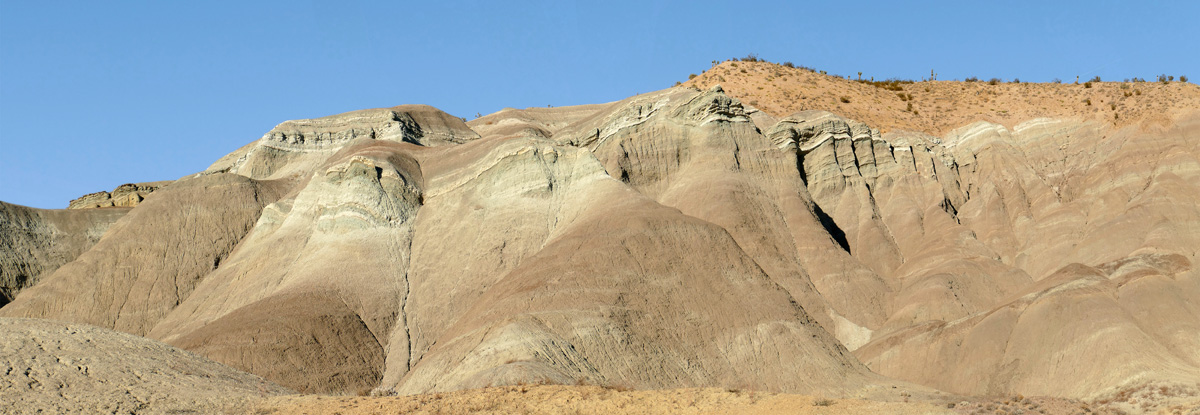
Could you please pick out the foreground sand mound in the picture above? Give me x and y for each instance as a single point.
(52, 367)
(597, 400)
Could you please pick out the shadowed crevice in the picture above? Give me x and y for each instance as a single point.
(832, 228)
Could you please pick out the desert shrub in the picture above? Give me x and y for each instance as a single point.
(1162, 78)
(1113, 105)
(902, 96)
(909, 109)
(845, 99)
(822, 402)
(1057, 81)
(1096, 79)
(1182, 78)
(1137, 92)
(1016, 80)
(1087, 84)
(1088, 101)
(750, 58)
(677, 83)
(1170, 77)
(993, 81)
(891, 84)
(789, 64)
(972, 79)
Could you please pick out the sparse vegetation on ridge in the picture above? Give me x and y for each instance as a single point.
(781, 89)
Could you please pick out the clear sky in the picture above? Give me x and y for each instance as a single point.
(94, 94)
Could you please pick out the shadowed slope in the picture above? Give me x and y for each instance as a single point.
(35, 242)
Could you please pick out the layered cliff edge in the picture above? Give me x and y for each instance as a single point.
(678, 238)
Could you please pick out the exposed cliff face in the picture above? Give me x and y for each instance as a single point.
(676, 238)
(294, 148)
(126, 195)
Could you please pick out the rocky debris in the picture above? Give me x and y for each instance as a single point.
(54, 367)
(126, 195)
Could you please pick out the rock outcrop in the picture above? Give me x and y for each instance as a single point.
(126, 195)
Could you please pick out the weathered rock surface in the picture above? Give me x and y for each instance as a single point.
(126, 195)
(53, 367)
(294, 148)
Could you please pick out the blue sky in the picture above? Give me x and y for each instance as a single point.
(96, 94)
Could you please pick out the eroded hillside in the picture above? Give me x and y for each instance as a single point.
(998, 240)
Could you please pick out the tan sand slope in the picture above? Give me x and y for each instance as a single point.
(941, 106)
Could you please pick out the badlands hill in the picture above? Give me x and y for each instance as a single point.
(998, 240)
